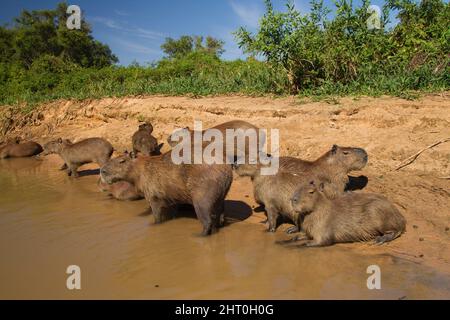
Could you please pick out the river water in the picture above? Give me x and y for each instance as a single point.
(49, 221)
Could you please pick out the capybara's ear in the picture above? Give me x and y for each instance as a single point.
(59, 140)
(334, 149)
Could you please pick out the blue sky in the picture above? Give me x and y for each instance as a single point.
(135, 29)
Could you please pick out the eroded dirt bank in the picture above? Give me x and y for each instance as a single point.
(390, 130)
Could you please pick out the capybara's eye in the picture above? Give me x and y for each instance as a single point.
(311, 191)
(346, 152)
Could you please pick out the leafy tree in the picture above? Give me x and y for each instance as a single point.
(44, 32)
(177, 48)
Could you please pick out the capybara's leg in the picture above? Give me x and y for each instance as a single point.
(73, 168)
(300, 237)
(204, 211)
(387, 236)
(272, 216)
(220, 222)
(160, 210)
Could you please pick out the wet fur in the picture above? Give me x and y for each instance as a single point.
(165, 185)
(16, 149)
(121, 190)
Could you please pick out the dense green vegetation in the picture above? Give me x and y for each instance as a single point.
(306, 54)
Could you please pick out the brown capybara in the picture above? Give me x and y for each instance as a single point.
(96, 150)
(350, 217)
(332, 167)
(144, 142)
(242, 131)
(275, 192)
(165, 185)
(16, 149)
(121, 190)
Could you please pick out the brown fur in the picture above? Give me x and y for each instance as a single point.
(121, 190)
(350, 217)
(274, 192)
(165, 184)
(90, 150)
(16, 149)
(232, 150)
(144, 142)
(334, 165)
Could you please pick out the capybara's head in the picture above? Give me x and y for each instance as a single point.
(147, 126)
(306, 197)
(117, 169)
(52, 147)
(246, 170)
(180, 133)
(347, 157)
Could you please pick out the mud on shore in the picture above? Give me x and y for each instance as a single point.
(390, 129)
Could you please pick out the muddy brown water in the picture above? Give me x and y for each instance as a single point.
(49, 221)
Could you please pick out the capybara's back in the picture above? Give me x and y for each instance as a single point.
(89, 150)
(20, 150)
(351, 217)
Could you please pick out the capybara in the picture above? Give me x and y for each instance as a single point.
(275, 192)
(242, 132)
(144, 142)
(166, 184)
(350, 217)
(121, 190)
(332, 167)
(17, 149)
(96, 150)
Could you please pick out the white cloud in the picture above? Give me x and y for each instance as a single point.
(248, 13)
(135, 47)
(136, 31)
(121, 13)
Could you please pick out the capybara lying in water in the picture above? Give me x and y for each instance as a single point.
(233, 151)
(16, 149)
(274, 192)
(121, 190)
(144, 142)
(96, 150)
(165, 184)
(351, 217)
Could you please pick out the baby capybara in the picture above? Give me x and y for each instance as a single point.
(144, 142)
(351, 217)
(165, 185)
(121, 190)
(274, 191)
(90, 150)
(15, 148)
